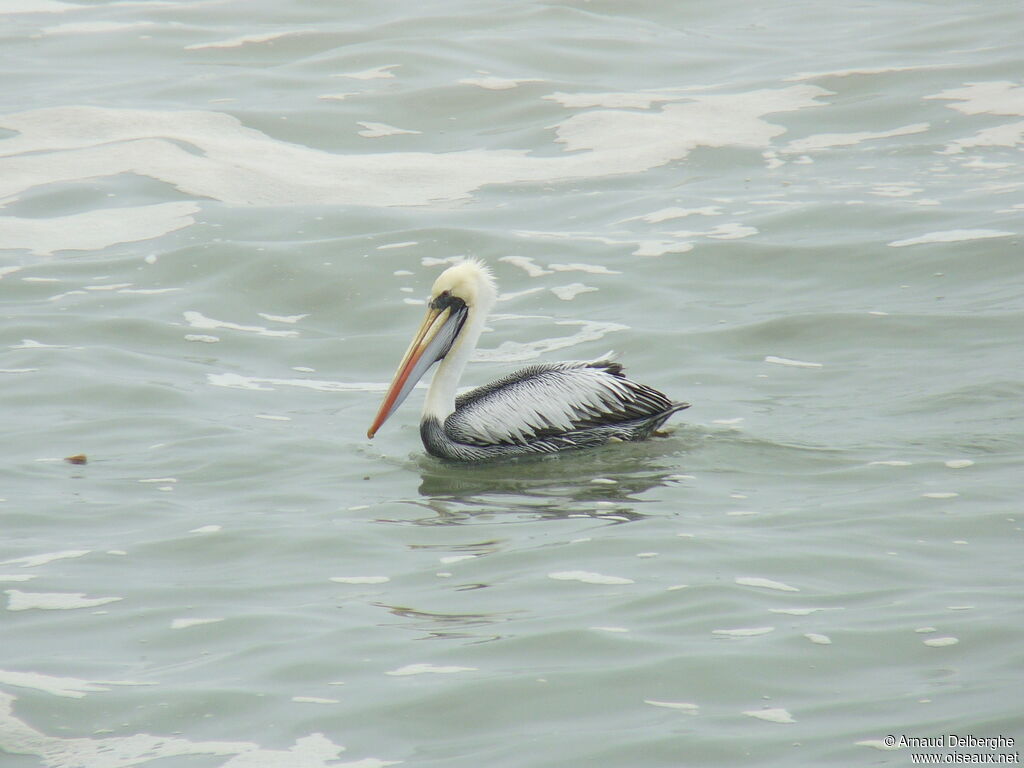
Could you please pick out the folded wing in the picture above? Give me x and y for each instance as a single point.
(552, 399)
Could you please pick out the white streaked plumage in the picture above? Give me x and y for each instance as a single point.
(539, 409)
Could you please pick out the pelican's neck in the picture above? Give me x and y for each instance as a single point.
(440, 402)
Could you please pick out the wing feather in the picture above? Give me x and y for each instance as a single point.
(551, 399)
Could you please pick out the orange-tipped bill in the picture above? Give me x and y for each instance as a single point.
(432, 342)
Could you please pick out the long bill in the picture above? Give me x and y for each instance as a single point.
(432, 342)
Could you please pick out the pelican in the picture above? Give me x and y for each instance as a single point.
(540, 409)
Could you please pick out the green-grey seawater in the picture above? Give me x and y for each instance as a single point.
(218, 224)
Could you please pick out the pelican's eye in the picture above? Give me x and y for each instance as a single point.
(444, 300)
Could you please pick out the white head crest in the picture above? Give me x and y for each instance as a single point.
(470, 280)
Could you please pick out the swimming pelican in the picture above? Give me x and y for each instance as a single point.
(540, 409)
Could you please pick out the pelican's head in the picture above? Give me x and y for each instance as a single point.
(469, 280)
(466, 289)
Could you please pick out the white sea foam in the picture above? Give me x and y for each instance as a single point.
(829, 140)
(186, 623)
(977, 162)
(661, 247)
(33, 344)
(88, 27)
(449, 559)
(199, 320)
(282, 318)
(951, 236)
(675, 212)
(31, 561)
(53, 601)
(818, 639)
(790, 362)
(730, 231)
(959, 463)
(993, 97)
(588, 577)
(593, 269)
(859, 71)
(378, 130)
(1008, 135)
(796, 611)
(683, 706)
(492, 83)
(712, 120)
(60, 296)
(238, 381)
(585, 237)
(940, 642)
(148, 291)
(238, 42)
(94, 230)
(517, 351)
(434, 261)
(571, 291)
(772, 715)
(67, 687)
(212, 155)
(526, 264)
(424, 669)
(755, 581)
(18, 737)
(743, 631)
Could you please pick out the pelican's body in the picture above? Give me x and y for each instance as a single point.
(540, 409)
